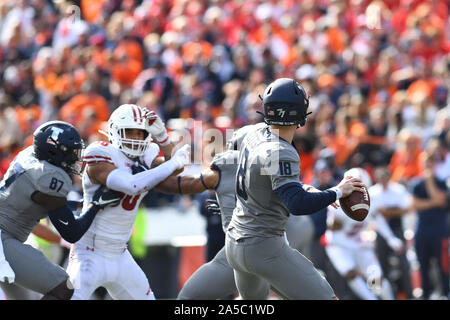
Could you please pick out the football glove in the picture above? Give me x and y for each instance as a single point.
(138, 166)
(212, 206)
(104, 197)
(156, 127)
(182, 156)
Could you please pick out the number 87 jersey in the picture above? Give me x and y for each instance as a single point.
(112, 227)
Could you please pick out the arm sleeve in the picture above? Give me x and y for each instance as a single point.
(69, 227)
(300, 202)
(130, 184)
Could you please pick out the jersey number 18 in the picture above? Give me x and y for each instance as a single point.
(240, 180)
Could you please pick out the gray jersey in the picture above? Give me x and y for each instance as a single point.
(266, 162)
(26, 175)
(226, 163)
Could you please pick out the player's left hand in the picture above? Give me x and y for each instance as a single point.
(155, 126)
(212, 206)
(139, 166)
(104, 197)
(7, 274)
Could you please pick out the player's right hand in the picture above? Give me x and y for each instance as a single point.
(182, 156)
(155, 126)
(7, 274)
(350, 184)
(104, 197)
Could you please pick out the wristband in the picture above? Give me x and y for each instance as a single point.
(338, 192)
(166, 141)
(203, 182)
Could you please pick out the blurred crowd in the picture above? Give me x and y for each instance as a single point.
(377, 72)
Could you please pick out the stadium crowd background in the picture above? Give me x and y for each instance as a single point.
(379, 93)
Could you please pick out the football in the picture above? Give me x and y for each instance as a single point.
(356, 205)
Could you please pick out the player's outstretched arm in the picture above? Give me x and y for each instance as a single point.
(300, 202)
(161, 160)
(207, 180)
(132, 184)
(310, 188)
(72, 228)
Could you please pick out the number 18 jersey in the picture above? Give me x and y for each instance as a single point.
(266, 162)
(112, 226)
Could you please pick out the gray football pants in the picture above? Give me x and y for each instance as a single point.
(213, 280)
(300, 233)
(258, 262)
(33, 270)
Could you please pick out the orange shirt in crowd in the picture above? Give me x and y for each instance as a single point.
(406, 164)
(191, 51)
(73, 111)
(91, 10)
(345, 144)
(27, 116)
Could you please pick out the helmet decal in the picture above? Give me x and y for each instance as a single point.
(60, 144)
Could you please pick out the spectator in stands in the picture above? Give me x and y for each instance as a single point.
(432, 234)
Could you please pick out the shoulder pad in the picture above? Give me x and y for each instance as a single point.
(54, 182)
(229, 157)
(99, 151)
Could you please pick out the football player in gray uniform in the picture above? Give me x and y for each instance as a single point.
(269, 190)
(34, 187)
(215, 279)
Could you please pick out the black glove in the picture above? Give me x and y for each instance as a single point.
(138, 166)
(212, 206)
(104, 197)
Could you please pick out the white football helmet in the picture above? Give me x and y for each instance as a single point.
(361, 174)
(128, 116)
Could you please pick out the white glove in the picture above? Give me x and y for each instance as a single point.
(156, 128)
(182, 156)
(395, 244)
(6, 273)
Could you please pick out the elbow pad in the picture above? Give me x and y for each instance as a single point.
(127, 183)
